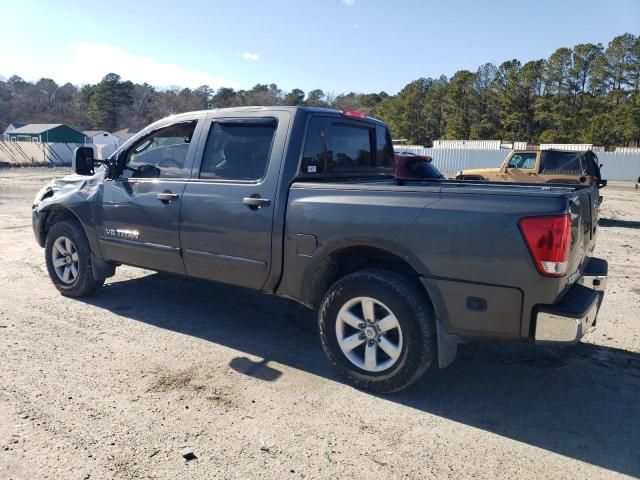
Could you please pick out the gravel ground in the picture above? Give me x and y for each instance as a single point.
(119, 384)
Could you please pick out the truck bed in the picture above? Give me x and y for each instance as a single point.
(453, 233)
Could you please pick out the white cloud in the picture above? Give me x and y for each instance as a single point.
(348, 3)
(88, 62)
(251, 56)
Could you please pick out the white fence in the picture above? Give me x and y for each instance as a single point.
(23, 154)
(468, 144)
(619, 165)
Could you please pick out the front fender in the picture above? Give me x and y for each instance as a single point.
(72, 197)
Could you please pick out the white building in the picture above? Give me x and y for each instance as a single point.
(126, 133)
(105, 143)
(12, 126)
(100, 137)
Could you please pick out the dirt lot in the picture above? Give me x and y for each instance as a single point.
(117, 385)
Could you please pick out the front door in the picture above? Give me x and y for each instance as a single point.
(522, 167)
(228, 205)
(140, 222)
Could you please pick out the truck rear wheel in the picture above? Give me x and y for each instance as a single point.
(68, 258)
(378, 329)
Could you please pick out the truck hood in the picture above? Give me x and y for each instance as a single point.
(69, 186)
(479, 171)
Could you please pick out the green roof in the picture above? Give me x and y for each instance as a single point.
(38, 128)
(35, 128)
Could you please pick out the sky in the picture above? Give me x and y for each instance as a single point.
(335, 45)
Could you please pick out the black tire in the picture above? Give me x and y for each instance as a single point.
(84, 282)
(414, 313)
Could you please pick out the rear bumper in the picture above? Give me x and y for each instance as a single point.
(595, 275)
(575, 315)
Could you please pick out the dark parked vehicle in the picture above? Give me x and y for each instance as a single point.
(302, 203)
(410, 166)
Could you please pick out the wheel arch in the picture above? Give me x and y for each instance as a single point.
(336, 260)
(52, 215)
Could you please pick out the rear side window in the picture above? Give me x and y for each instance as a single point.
(561, 162)
(384, 148)
(238, 149)
(350, 148)
(337, 147)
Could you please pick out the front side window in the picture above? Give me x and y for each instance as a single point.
(238, 149)
(523, 160)
(162, 154)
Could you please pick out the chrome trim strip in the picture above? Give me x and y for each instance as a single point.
(228, 260)
(134, 243)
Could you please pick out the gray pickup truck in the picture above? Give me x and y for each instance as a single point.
(302, 203)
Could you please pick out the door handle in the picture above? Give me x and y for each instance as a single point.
(166, 197)
(254, 202)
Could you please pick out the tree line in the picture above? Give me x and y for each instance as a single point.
(587, 93)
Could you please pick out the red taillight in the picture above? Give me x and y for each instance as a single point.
(354, 114)
(548, 239)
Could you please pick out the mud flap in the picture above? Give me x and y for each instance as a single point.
(447, 346)
(101, 269)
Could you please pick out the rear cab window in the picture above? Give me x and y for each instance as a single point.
(342, 147)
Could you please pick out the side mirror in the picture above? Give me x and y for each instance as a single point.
(82, 162)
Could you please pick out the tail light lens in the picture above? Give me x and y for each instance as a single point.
(548, 239)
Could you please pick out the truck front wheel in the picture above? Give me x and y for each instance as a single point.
(377, 328)
(68, 258)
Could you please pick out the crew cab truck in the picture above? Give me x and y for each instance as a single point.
(542, 166)
(302, 203)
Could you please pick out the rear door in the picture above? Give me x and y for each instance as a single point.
(228, 205)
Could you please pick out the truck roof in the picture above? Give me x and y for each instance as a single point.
(317, 110)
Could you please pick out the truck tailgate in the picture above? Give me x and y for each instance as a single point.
(583, 218)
